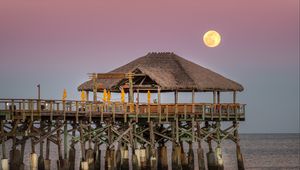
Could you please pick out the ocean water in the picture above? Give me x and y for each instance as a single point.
(260, 151)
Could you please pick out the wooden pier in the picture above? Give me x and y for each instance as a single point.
(126, 128)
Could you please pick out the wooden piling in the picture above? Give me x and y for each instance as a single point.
(239, 156)
(90, 158)
(176, 157)
(200, 152)
(47, 161)
(162, 158)
(190, 157)
(125, 158)
(23, 144)
(211, 157)
(184, 161)
(72, 150)
(97, 152)
(109, 159)
(143, 159)
(41, 164)
(135, 160)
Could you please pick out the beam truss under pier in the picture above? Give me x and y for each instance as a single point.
(141, 134)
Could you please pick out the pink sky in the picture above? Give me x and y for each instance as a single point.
(56, 42)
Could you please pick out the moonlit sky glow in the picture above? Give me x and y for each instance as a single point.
(55, 43)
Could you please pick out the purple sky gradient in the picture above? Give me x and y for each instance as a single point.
(55, 43)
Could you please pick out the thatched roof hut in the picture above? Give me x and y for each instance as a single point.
(168, 71)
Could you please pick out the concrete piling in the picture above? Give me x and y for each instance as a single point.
(84, 165)
(4, 164)
(33, 161)
(219, 160)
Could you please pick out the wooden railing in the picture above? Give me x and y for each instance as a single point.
(67, 108)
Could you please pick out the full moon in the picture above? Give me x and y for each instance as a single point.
(212, 38)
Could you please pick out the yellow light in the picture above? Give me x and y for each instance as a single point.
(108, 96)
(212, 38)
(104, 95)
(149, 97)
(122, 95)
(83, 96)
(64, 97)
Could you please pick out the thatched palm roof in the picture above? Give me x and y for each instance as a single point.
(171, 72)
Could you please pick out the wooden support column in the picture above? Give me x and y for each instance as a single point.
(176, 97)
(72, 151)
(41, 164)
(193, 101)
(200, 151)
(87, 96)
(95, 87)
(162, 160)
(159, 103)
(239, 156)
(83, 164)
(211, 157)
(234, 97)
(218, 150)
(191, 157)
(47, 160)
(4, 160)
(214, 97)
(153, 160)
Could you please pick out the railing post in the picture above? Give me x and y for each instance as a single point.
(90, 113)
(101, 111)
(184, 111)
(39, 108)
(12, 109)
(113, 111)
(23, 110)
(77, 110)
(148, 110)
(31, 109)
(167, 113)
(51, 111)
